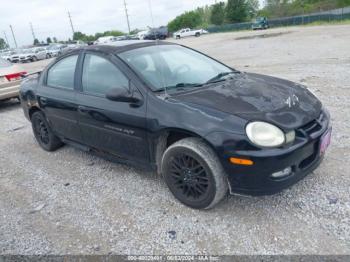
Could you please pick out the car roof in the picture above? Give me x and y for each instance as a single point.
(121, 46)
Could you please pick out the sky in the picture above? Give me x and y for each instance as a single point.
(50, 17)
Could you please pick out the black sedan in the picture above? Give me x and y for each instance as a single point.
(207, 128)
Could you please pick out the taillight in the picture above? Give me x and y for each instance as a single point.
(16, 76)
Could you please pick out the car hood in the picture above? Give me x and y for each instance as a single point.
(258, 97)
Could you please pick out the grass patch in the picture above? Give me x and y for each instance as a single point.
(334, 22)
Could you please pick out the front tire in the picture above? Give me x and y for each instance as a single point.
(43, 133)
(194, 174)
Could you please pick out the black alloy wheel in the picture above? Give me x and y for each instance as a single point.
(189, 177)
(194, 174)
(43, 133)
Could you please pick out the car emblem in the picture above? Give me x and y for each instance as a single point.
(292, 101)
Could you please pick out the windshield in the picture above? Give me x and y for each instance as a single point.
(166, 66)
(28, 51)
(55, 47)
(4, 63)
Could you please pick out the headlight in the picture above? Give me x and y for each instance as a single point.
(265, 135)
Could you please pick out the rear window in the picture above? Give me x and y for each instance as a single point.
(4, 63)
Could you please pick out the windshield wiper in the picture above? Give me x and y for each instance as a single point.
(179, 86)
(219, 77)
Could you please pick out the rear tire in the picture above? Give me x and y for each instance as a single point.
(197, 35)
(43, 133)
(194, 174)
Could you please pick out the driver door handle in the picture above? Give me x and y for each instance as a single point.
(82, 109)
(43, 100)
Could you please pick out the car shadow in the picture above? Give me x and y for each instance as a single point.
(10, 104)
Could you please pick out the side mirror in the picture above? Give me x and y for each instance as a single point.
(122, 95)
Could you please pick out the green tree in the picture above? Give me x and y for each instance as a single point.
(3, 44)
(36, 41)
(252, 8)
(236, 11)
(281, 8)
(113, 33)
(78, 36)
(218, 13)
(205, 14)
(190, 19)
(54, 39)
(48, 40)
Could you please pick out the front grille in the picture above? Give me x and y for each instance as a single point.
(312, 127)
(310, 159)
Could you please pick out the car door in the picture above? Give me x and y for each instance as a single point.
(118, 128)
(42, 53)
(38, 54)
(57, 98)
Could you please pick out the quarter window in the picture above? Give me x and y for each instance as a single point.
(62, 73)
(100, 75)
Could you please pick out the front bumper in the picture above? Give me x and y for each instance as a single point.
(25, 59)
(9, 90)
(303, 157)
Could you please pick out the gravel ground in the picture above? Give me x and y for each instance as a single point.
(70, 202)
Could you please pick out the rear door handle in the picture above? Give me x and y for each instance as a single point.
(83, 109)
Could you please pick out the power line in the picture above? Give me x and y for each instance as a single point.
(71, 23)
(13, 35)
(31, 27)
(127, 16)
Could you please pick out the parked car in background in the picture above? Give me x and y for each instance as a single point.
(134, 37)
(141, 35)
(207, 128)
(33, 54)
(10, 79)
(14, 58)
(106, 40)
(189, 32)
(123, 38)
(7, 55)
(260, 23)
(55, 50)
(156, 33)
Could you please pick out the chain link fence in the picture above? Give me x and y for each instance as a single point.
(328, 16)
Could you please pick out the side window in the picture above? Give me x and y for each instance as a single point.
(100, 75)
(62, 73)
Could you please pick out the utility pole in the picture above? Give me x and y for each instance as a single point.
(31, 28)
(151, 11)
(13, 35)
(71, 23)
(127, 16)
(7, 41)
